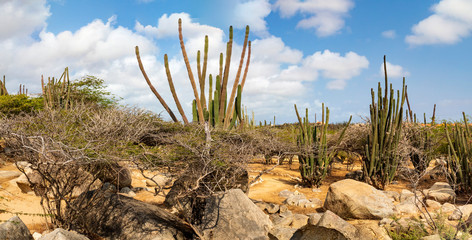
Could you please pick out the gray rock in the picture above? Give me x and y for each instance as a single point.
(37, 235)
(281, 233)
(447, 208)
(330, 226)
(299, 220)
(314, 218)
(433, 204)
(23, 184)
(14, 229)
(352, 199)
(371, 231)
(61, 234)
(357, 175)
(394, 195)
(283, 208)
(285, 193)
(159, 180)
(272, 208)
(441, 192)
(385, 221)
(432, 237)
(8, 175)
(294, 200)
(462, 212)
(113, 216)
(406, 208)
(232, 215)
(282, 220)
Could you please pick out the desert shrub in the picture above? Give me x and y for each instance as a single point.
(17, 104)
(91, 89)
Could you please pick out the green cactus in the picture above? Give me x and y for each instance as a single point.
(381, 161)
(315, 156)
(459, 162)
(56, 93)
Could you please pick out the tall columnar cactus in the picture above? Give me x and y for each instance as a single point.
(56, 93)
(459, 164)
(3, 88)
(219, 110)
(382, 159)
(315, 157)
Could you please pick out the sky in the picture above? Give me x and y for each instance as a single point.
(304, 52)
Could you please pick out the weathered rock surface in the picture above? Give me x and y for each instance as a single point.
(441, 192)
(8, 175)
(371, 231)
(61, 234)
(232, 215)
(14, 229)
(462, 212)
(281, 233)
(330, 226)
(117, 217)
(352, 199)
(160, 180)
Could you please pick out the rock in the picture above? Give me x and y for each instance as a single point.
(352, 199)
(433, 204)
(8, 175)
(432, 237)
(61, 234)
(330, 226)
(371, 231)
(283, 208)
(462, 212)
(441, 192)
(23, 184)
(294, 200)
(232, 215)
(299, 220)
(115, 174)
(37, 235)
(447, 208)
(385, 221)
(281, 233)
(113, 216)
(394, 195)
(357, 175)
(282, 221)
(285, 193)
(272, 208)
(314, 218)
(14, 229)
(406, 208)
(159, 180)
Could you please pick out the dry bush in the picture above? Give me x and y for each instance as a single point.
(354, 140)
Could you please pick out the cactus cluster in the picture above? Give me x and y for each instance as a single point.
(460, 156)
(315, 157)
(381, 161)
(56, 92)
(218, 110)
(3, 88)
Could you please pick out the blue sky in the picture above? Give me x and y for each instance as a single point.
(304, 52)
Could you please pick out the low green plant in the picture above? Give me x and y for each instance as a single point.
(17, 104)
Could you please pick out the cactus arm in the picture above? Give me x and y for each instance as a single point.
(172, 89)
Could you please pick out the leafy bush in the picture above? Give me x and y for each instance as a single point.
(16, 104)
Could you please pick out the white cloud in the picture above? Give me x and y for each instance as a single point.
(327, 17)
(19, 18)
(394, 71)
(389, 34)
(451, 21)
(252, 13)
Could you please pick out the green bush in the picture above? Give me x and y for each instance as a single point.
(16, 104)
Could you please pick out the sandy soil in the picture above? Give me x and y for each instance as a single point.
(280, 178)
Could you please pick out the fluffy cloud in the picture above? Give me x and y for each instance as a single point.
(252, 13)
(389, 34)
(20, 18)
(394, 71)
(327, 17)
(451, 21)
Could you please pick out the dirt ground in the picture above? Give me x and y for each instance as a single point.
(266, 189)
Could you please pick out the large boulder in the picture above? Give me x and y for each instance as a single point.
(352, 199)
(115, 216)
(8, 175)
(441, 192)
(14, 229)
(61, 234)
(232, 215)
